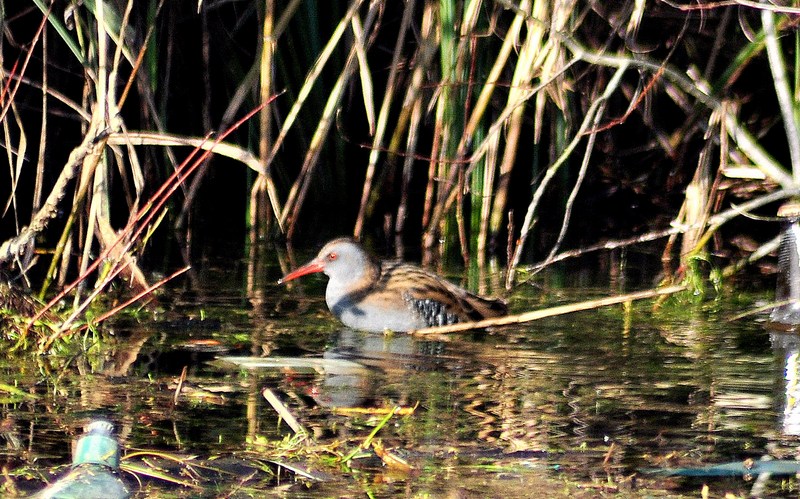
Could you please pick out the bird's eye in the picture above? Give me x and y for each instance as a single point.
(332, 257)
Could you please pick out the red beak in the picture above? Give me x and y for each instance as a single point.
(310, 268)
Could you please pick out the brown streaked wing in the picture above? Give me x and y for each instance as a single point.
(438, 301)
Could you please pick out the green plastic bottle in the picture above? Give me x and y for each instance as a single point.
(95, 466)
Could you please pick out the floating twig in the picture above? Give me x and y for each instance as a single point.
(548, 312)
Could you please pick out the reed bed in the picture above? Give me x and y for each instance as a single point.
(479, 129)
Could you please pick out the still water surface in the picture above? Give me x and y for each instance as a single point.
(578, 405)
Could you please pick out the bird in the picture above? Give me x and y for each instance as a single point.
(371, 295)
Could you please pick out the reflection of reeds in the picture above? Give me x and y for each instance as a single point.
(459, 101)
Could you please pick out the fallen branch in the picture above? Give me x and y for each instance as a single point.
(548, 312)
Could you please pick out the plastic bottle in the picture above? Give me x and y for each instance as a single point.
(95, 463)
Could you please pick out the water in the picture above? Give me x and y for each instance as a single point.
(576, 405)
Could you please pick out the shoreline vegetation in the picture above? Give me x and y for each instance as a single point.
(502, 132)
